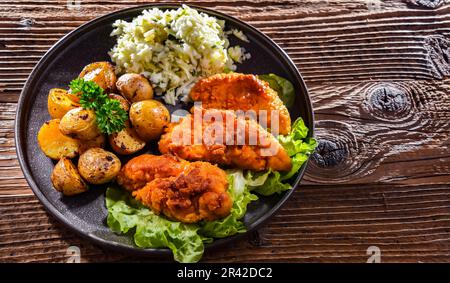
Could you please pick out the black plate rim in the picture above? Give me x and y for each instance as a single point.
(21, 119)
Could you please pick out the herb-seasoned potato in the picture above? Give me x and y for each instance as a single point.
(55, 144)
(59, 103)
(79, 123)
(149, 117)
(123, 102)
(99, 141)
(126, 141)
(66, 179)
(102, 73)
(98, 166)
(134, 87)
(73, 96)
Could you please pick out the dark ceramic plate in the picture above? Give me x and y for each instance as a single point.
(86, 213)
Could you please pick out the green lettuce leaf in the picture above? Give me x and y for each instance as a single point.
(283, 87)
(297, 162)
(126, 215)
(266, 183)
(296, 141)
(231, 224)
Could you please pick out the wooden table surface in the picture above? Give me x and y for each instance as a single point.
(378, 73)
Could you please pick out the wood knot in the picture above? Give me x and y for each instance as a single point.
(388, 98)
(387, 101)
(427, 4)
(329, 153)
(438, 52)
(26, 23)
(339, 157)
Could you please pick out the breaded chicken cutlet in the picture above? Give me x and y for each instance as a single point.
(181, 190)
(245, 92)
(225, 139)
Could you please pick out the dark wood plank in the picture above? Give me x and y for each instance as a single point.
(379, 77)
(378, 44)
(384, 132)
(408, 224)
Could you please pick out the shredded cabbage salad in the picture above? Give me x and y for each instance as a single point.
(173, 48)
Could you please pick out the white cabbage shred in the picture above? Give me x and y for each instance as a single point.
(174, 48)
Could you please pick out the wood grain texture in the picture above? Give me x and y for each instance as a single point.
(378, 73)
(408, 223)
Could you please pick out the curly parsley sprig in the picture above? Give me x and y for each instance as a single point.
(110, 117)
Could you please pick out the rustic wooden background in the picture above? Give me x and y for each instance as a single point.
(379, 77)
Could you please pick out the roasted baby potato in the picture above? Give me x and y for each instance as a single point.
(99, 141)
(66, 179)
(126, 141)
(102, 73)
(79, 123)
(55, 144)
(98, 166)
(123, 102)
(59, 103)
(149, 117)
(134, 87)
(73, 96)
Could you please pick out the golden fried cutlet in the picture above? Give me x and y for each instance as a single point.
(242, 92)
(182, 191)
(224, 139)
(199, 193)
(144, 168)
